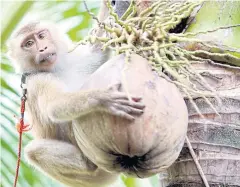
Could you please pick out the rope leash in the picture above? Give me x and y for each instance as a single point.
(21, 127)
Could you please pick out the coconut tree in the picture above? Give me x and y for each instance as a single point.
(198, 49)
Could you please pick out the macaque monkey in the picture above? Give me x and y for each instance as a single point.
(54, 100)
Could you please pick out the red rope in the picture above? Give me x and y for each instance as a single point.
(18, 159)
(21, 128)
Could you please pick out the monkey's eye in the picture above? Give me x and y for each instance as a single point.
(42, 35)
(29, 44)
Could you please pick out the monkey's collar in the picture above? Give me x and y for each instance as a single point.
(23, 80)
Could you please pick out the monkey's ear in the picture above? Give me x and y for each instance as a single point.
(10, 55)
(10, 45)
(14, 62)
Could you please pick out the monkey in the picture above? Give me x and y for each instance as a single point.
(55, 99)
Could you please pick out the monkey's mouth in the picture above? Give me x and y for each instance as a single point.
(48, 58)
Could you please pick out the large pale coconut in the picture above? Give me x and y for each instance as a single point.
(147, 145)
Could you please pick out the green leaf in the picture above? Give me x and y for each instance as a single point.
(13, 19)
(215, 14)
(6, 86)
(71, 12)
(7, 68)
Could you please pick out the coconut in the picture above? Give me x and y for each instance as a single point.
(150, 143)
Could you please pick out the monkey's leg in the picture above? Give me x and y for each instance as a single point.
(66, 163)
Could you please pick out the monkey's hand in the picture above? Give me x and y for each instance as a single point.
(117, 103)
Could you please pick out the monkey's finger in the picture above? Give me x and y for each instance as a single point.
(129, 109)
(131, 103)
(121, 95)
(136, 111)
(121, 114)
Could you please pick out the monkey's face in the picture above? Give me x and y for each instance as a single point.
(39, 49)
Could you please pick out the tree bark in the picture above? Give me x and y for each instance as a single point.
(216, 140)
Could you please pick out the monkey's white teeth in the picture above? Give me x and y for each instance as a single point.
(46, 58)
(49, 56)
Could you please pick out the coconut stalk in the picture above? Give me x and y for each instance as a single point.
(204, 69)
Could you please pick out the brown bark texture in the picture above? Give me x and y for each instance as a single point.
(215, 139)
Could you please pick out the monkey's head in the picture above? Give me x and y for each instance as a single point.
(37, 46)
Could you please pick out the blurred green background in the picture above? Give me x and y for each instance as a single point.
(73, 19)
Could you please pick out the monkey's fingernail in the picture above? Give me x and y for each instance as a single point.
(137, 99)
(132, 119)
(142, 106)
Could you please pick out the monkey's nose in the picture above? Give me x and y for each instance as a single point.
(41, 50)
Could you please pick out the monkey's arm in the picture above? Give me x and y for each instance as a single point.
(90, 57)
(59, 106)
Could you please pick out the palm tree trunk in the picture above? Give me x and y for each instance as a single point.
(215, 139)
